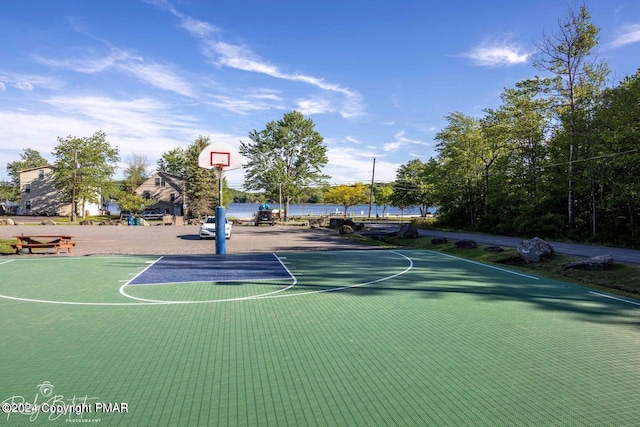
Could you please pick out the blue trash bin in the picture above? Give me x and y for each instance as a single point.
(130, 220)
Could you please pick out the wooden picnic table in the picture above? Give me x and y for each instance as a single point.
(31, 242)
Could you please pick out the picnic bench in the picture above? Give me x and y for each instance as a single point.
(31, 242)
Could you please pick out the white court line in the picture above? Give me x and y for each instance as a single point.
(266, 295)
(7, 261)
(352, 286)
(151, 264)
(615, 298)
(144, 302)
(487, 265)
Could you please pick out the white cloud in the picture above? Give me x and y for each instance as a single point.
(491, 53)
(627, 35)
(243, 58)
(24, 85)
(314, 106)
(2, 87)
(401, 141)
(157, 75)
(348, 165)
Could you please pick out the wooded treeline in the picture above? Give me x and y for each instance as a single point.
(507, 172)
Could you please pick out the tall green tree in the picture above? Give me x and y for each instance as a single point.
(83, 168)
(566, 54)
(347, 195)
(522, 195)
(136, 172)
(285, 158)
(616, 160)
(459, 144)
(415, 185)
(30, 158)
(383, 196)
(174, 162)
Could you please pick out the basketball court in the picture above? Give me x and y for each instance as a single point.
(374, 337)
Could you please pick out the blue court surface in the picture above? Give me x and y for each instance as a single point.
(212, 268)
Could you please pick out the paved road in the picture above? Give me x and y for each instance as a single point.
(628, 256)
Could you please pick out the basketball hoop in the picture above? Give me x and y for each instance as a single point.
(221, 157)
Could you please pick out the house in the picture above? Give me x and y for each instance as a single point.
(165, 193)
(38, 195)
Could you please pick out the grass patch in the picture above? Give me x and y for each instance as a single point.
(5, 246)
(620, 278)
(358, 238)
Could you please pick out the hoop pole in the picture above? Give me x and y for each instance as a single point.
(221, 225)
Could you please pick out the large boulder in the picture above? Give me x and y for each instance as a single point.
(6, 221)
(408, 231)
(596, 263)
(316, 222)
(346, 229)
(465, 244)
(534, 250)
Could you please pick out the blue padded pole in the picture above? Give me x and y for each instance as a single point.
(221, 241)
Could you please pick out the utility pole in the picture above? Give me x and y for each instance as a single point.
(75, 181)
(373, 173)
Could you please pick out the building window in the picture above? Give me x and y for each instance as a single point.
(27, 204)
(173, 197)
(27, 188)
(157, 182)
(41, 174)
(146, 195)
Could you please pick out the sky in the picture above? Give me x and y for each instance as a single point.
(377, 77)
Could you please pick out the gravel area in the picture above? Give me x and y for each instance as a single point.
(168, 240)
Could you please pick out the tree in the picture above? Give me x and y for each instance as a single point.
(130, 202)
(136, 172)
(28, 159)
(565, 53)
(347, 195)
(460, 145)
(383, 194)
(415, 185)
(174, 162)
(83, 168)
(285, 159)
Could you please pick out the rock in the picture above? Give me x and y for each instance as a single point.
(6, 221)
(316, 222)
(346, 229)
(493, 249)
(596, 263)
(466, 244)
(339, 222)
(534, 250)
(408, 232)
(47, 222)
(87, 222)
(439, 240)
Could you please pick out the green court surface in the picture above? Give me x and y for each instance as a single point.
(328, 338)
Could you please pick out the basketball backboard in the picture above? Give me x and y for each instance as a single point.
(220, 155)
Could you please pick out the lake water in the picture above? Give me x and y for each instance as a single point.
(246, 210)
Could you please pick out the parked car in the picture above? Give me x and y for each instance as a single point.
(208, 228)
(152, 214)
(264, 217)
